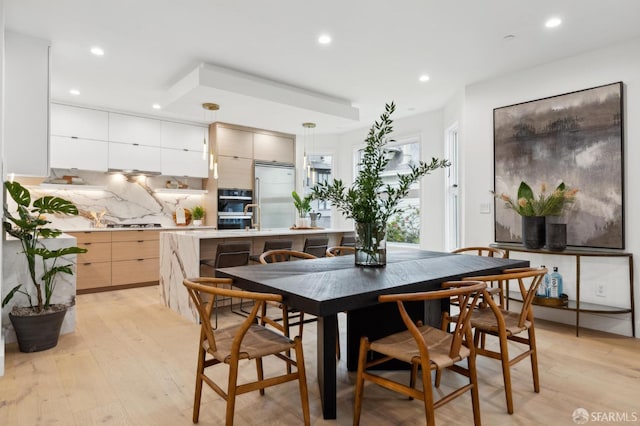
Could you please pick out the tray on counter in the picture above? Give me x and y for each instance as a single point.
(304, 228)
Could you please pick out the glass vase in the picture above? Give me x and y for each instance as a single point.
(371, 244)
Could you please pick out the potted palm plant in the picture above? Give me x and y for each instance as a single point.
(37, 325)
(369, 202)
(197, 214)
(303, 206)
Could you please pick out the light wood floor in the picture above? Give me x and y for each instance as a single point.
(132, 362)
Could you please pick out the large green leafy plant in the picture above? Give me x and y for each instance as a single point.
(28, 224)
(369, 200)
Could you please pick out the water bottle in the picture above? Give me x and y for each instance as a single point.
(542, 288)
(555, 283)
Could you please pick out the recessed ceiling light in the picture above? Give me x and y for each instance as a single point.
(509, 37)
(97, 51)
(424, 78)
(553, 22)
(324, 39)
(74, 92)
(156, 106)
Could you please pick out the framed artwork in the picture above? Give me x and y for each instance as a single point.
(575, 138)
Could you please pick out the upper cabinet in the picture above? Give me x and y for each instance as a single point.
(274, 148)
(26, 105)
(184, 136)
(234, 142)
(76, 122)
(134, 130)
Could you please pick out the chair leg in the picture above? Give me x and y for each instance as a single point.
(362, 359)
(260, 373)
(473, 379)
(231, 391)
(414, 377)
(506, 372)
(285, 330)
(427, 396)
(534, 359)
(302, 381)
(446, 320)
(198, 392)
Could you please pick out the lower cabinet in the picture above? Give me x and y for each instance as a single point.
(135, 257)
(117, 258)
(93, 268)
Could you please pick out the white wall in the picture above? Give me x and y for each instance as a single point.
(617, 63)
(1, 159)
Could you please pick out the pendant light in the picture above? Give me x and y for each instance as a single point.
(306, 165)
(213, 164)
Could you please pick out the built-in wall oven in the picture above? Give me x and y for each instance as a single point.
(231, 204)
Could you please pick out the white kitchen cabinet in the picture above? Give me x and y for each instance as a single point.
(182, 162)
(26, 105)
(134, 130)
(82, 154)
(79, 122)
(184, 136)
(134, 157)
(273, 148)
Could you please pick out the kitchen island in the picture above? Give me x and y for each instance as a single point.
(181, 252)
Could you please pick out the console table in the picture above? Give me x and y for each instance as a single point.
(576, 305)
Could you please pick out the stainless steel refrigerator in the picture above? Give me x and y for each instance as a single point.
(273, 186)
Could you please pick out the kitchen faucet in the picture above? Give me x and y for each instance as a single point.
(254, 225)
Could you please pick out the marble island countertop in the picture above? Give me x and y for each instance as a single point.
(158, 228)
(200, 233)
(181, 252)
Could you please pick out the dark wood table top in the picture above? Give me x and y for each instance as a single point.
(327, 286)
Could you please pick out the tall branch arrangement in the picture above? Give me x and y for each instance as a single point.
(369, 200)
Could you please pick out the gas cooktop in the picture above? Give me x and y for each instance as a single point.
(134, 225)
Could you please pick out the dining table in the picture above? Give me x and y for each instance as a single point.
(327, 286)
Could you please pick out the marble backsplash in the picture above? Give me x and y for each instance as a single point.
(123, 199)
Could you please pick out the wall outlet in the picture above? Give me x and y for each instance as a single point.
(600, 290)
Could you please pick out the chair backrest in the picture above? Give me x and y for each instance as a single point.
(481, 251)
(529, 280)
(277, 245)
(348, 240)
(274, 256)
(232, 254)
(204, 290)
(340, 251)
(316, 246)
(467, 292)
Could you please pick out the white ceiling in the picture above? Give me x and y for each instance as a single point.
(379, 50)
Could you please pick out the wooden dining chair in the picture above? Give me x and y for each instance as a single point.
(340, 251)
(244, 341)
(492, 319)
(426, 348)
(495, 288)
(283, 323)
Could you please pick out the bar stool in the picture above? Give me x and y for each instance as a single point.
(227, 256)
(348, 240)
(272, 245)
(316, 246)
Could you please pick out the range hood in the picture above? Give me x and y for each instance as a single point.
(133, 172)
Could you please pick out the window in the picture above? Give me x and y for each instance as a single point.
(405, 226)
(320, 170)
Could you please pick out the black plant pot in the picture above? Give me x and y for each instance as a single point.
(556, 236)
(533, 231)
(37, 332)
